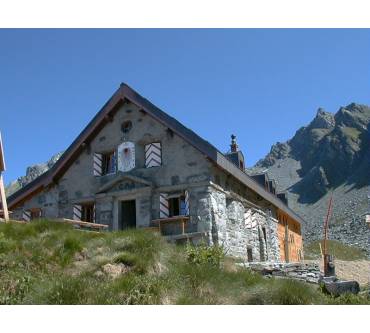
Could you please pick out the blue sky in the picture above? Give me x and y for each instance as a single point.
(261, 84)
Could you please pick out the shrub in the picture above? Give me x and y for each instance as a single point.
(203, 254)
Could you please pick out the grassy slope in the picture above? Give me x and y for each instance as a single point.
(51, 263)
(339, 250)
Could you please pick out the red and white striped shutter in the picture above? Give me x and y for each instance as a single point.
(97, 164)
(187, 210)
(153, 155)
(163, 206)
(77, 212)
(26, 215)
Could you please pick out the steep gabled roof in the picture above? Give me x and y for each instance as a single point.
(122, 95)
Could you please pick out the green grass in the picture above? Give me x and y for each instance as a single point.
(339, 250)
(52, 263)
(351, 132)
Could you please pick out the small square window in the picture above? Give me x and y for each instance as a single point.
(87, 213)
(177, 206)
(108, 163)
(36, 213)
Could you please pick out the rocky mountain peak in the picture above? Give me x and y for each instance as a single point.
(278, 151)
(329, 156)
(354, 115)
(323, 119)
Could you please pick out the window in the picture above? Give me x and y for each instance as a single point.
(31, 214)
(177, 206)
(84, 212)
(108, 163)
(174, 206)
(126, 126)
(87, 213)
(104, 164)
(250, 254)
(36, 213)
(264, 234)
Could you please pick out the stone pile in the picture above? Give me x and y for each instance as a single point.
(298, 271)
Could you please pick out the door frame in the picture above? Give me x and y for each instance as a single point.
(120, 216)
(117, 209)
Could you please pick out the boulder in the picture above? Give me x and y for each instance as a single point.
(337, 288)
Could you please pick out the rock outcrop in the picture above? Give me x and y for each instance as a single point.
(32, 173)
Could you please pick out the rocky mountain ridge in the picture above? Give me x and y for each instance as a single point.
(32, 172)
(329, 156)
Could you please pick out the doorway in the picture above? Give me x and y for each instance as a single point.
(128, 214)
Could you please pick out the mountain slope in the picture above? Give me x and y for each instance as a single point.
(329, 156)
(32, 173)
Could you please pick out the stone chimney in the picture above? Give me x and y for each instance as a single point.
(235, 155)
(234, 145)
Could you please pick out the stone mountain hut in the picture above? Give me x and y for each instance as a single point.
(134, 166)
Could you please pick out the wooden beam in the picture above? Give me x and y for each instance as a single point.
(109, 117)
(81, 223)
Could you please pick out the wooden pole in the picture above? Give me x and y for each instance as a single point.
(2, 189)
(3, 199)
(326, 224)
(287, 247)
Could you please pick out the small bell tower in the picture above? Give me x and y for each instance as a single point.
(235, 155)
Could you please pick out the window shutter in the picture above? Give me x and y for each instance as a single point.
(187, 211)
(98, 164)
(153, 155)
(26, 215)
(77, 212)
(163, 206)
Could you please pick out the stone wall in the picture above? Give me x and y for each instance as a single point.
(229, 221)
(46, 200)
(298, 271)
